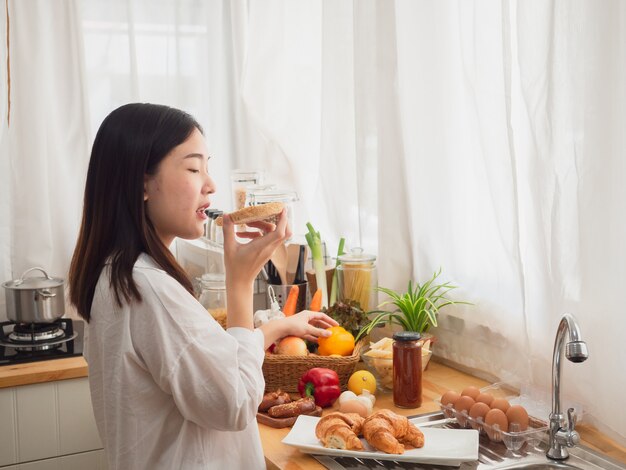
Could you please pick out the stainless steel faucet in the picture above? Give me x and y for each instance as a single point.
(576, 351)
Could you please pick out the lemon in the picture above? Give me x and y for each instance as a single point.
(362, 380)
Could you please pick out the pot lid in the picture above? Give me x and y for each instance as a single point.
(38, 282)
(356, 255)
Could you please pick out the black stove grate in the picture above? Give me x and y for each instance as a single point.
(21, 352)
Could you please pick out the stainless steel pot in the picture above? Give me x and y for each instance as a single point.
(35, 299)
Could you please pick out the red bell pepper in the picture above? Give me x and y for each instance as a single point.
(321, 384)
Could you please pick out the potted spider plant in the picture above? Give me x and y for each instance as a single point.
(416, 309)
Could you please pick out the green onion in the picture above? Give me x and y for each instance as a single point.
(333, 289)
(315, 243)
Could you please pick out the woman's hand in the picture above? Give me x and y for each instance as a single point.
(306, 324)
(243, 261)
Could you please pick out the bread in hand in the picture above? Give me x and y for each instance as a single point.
(340, 431)
(253, 213)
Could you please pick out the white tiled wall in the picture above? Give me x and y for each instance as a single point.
(43, 421)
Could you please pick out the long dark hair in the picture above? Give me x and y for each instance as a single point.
(130, 144)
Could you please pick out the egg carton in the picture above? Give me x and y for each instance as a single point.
(513, 439)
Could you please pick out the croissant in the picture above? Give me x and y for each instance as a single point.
(387, 431)
(340, 431)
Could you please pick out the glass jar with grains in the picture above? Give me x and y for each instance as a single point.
(213, 295)
(241, 180)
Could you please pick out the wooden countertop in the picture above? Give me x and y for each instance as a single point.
(42, 371)
(436, 380)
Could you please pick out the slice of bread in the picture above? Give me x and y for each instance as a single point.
(253, 213)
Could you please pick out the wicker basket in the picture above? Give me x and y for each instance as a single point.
(284, 372)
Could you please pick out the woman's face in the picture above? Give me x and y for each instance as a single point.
(177, 195)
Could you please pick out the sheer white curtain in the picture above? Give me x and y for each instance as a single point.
(44, 147)
(512, 123)
(483, 138)
(272, 83)
(186, 54)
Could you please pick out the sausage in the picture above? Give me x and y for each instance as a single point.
(295, 408)
(274, 398)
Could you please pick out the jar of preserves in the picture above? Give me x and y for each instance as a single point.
(407, 369)
(357, 279)
(213, 295)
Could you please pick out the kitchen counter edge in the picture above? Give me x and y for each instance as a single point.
(28, 373)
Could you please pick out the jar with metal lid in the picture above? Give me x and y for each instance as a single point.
(240, 181)
(212, 296)
(257, 189)
(263, 196)
(407, 369)
(357, 279)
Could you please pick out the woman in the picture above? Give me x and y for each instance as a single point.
(170, 388)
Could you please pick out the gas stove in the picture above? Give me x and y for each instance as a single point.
(30, 342)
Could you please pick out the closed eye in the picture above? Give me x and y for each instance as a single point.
(194, 171)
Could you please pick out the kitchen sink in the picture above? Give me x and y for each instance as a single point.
(539, 466)
(491, 456)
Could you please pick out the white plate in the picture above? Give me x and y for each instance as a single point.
(441, 446)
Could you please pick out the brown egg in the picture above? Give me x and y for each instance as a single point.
(496, 417)
(518, 418)
(470, 392)
(463, 404)
(500, 404)
(486, 398)
(449, 398)
(478, 410)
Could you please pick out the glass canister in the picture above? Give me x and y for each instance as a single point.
(407, 369)
(263, 196)
(257, 188)
(212, 296)
(240, 181)
(357, 279)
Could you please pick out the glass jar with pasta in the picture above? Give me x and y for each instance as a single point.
(357, 279)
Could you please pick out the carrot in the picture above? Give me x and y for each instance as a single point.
(292, 299)
(316, 301)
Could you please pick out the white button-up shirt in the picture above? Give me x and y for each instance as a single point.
(170, 388)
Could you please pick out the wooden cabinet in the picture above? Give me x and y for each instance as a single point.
(93, 460)
(49, 426)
